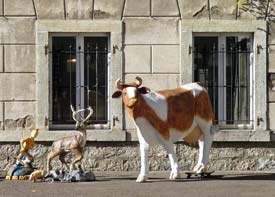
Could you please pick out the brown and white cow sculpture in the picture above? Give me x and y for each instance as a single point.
(165, 116)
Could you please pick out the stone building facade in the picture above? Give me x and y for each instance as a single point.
(153, 39)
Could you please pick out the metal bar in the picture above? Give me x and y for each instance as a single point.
(96, 70)
(231, 85)
(105, 74)
(88, 58)
(239, 82)
(70, 57)
(214, 80)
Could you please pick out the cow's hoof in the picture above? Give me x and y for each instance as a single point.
(141, 179)
(200, 169)
(174, 175)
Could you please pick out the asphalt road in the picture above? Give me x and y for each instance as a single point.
(237, 184)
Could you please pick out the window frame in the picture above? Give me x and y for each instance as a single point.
(258, 29)
(221, 37)
(79, 66)
(45, 28)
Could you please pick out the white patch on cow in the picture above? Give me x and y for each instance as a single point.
(131, 92)
(158, 103)
(175, 135)
(148, 132)
(204, 125)
(196, 88)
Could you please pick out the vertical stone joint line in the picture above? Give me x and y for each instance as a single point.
(65, 11)
(93, 9)
(237, 10)
(34, 8)
(3, 7)
(150, 6)
(209, 9)
(177, 1)
(123, 9)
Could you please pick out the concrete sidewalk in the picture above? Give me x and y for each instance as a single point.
(237, 184)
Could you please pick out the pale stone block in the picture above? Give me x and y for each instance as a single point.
(1, 58)
(271, 36)
(156, 82)
(137, 59)
(271, 94)
(19, 7)
(80, 9)
(17, 30)
(223, 9)
(272, 115)
(166, 59)
(137, 8)
(50, 9)
(271, 55)
(165, 8)
(191, 9)
(15, 110)
(152, 31)
(108, 9)
(17, 86)
(20, 58)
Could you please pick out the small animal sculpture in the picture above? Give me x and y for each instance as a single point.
(165, 116)
(71, 144)
(37, 175)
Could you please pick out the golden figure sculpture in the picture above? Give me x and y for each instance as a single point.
(26, 145)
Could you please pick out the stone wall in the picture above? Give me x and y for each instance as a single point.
(125, 156)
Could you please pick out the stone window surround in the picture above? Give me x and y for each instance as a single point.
(43, 29)
(258, 29)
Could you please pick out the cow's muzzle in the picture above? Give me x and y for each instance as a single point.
(132, 102)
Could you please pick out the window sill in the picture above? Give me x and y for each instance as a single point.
(48, 136)
(229, 136)
(131, 135)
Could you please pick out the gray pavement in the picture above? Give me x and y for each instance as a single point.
(237, 184)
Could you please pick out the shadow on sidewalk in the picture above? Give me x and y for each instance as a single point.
(265, 176)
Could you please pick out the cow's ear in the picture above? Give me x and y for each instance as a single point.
(144, 90)
(117, 94)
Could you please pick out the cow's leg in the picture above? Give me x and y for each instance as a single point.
(205, 144)
(173, 160)
(144, 148)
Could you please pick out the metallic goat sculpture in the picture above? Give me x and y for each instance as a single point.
(71, 144)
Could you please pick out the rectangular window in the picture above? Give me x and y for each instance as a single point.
(223, 62)
(79, 76)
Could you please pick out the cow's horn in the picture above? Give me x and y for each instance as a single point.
(138, 81)
(119, 84)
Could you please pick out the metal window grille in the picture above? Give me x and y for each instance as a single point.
(226, 72)
(80, 78)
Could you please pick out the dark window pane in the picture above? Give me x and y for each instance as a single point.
(206, 66)
(96, 57)
(63, 78)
